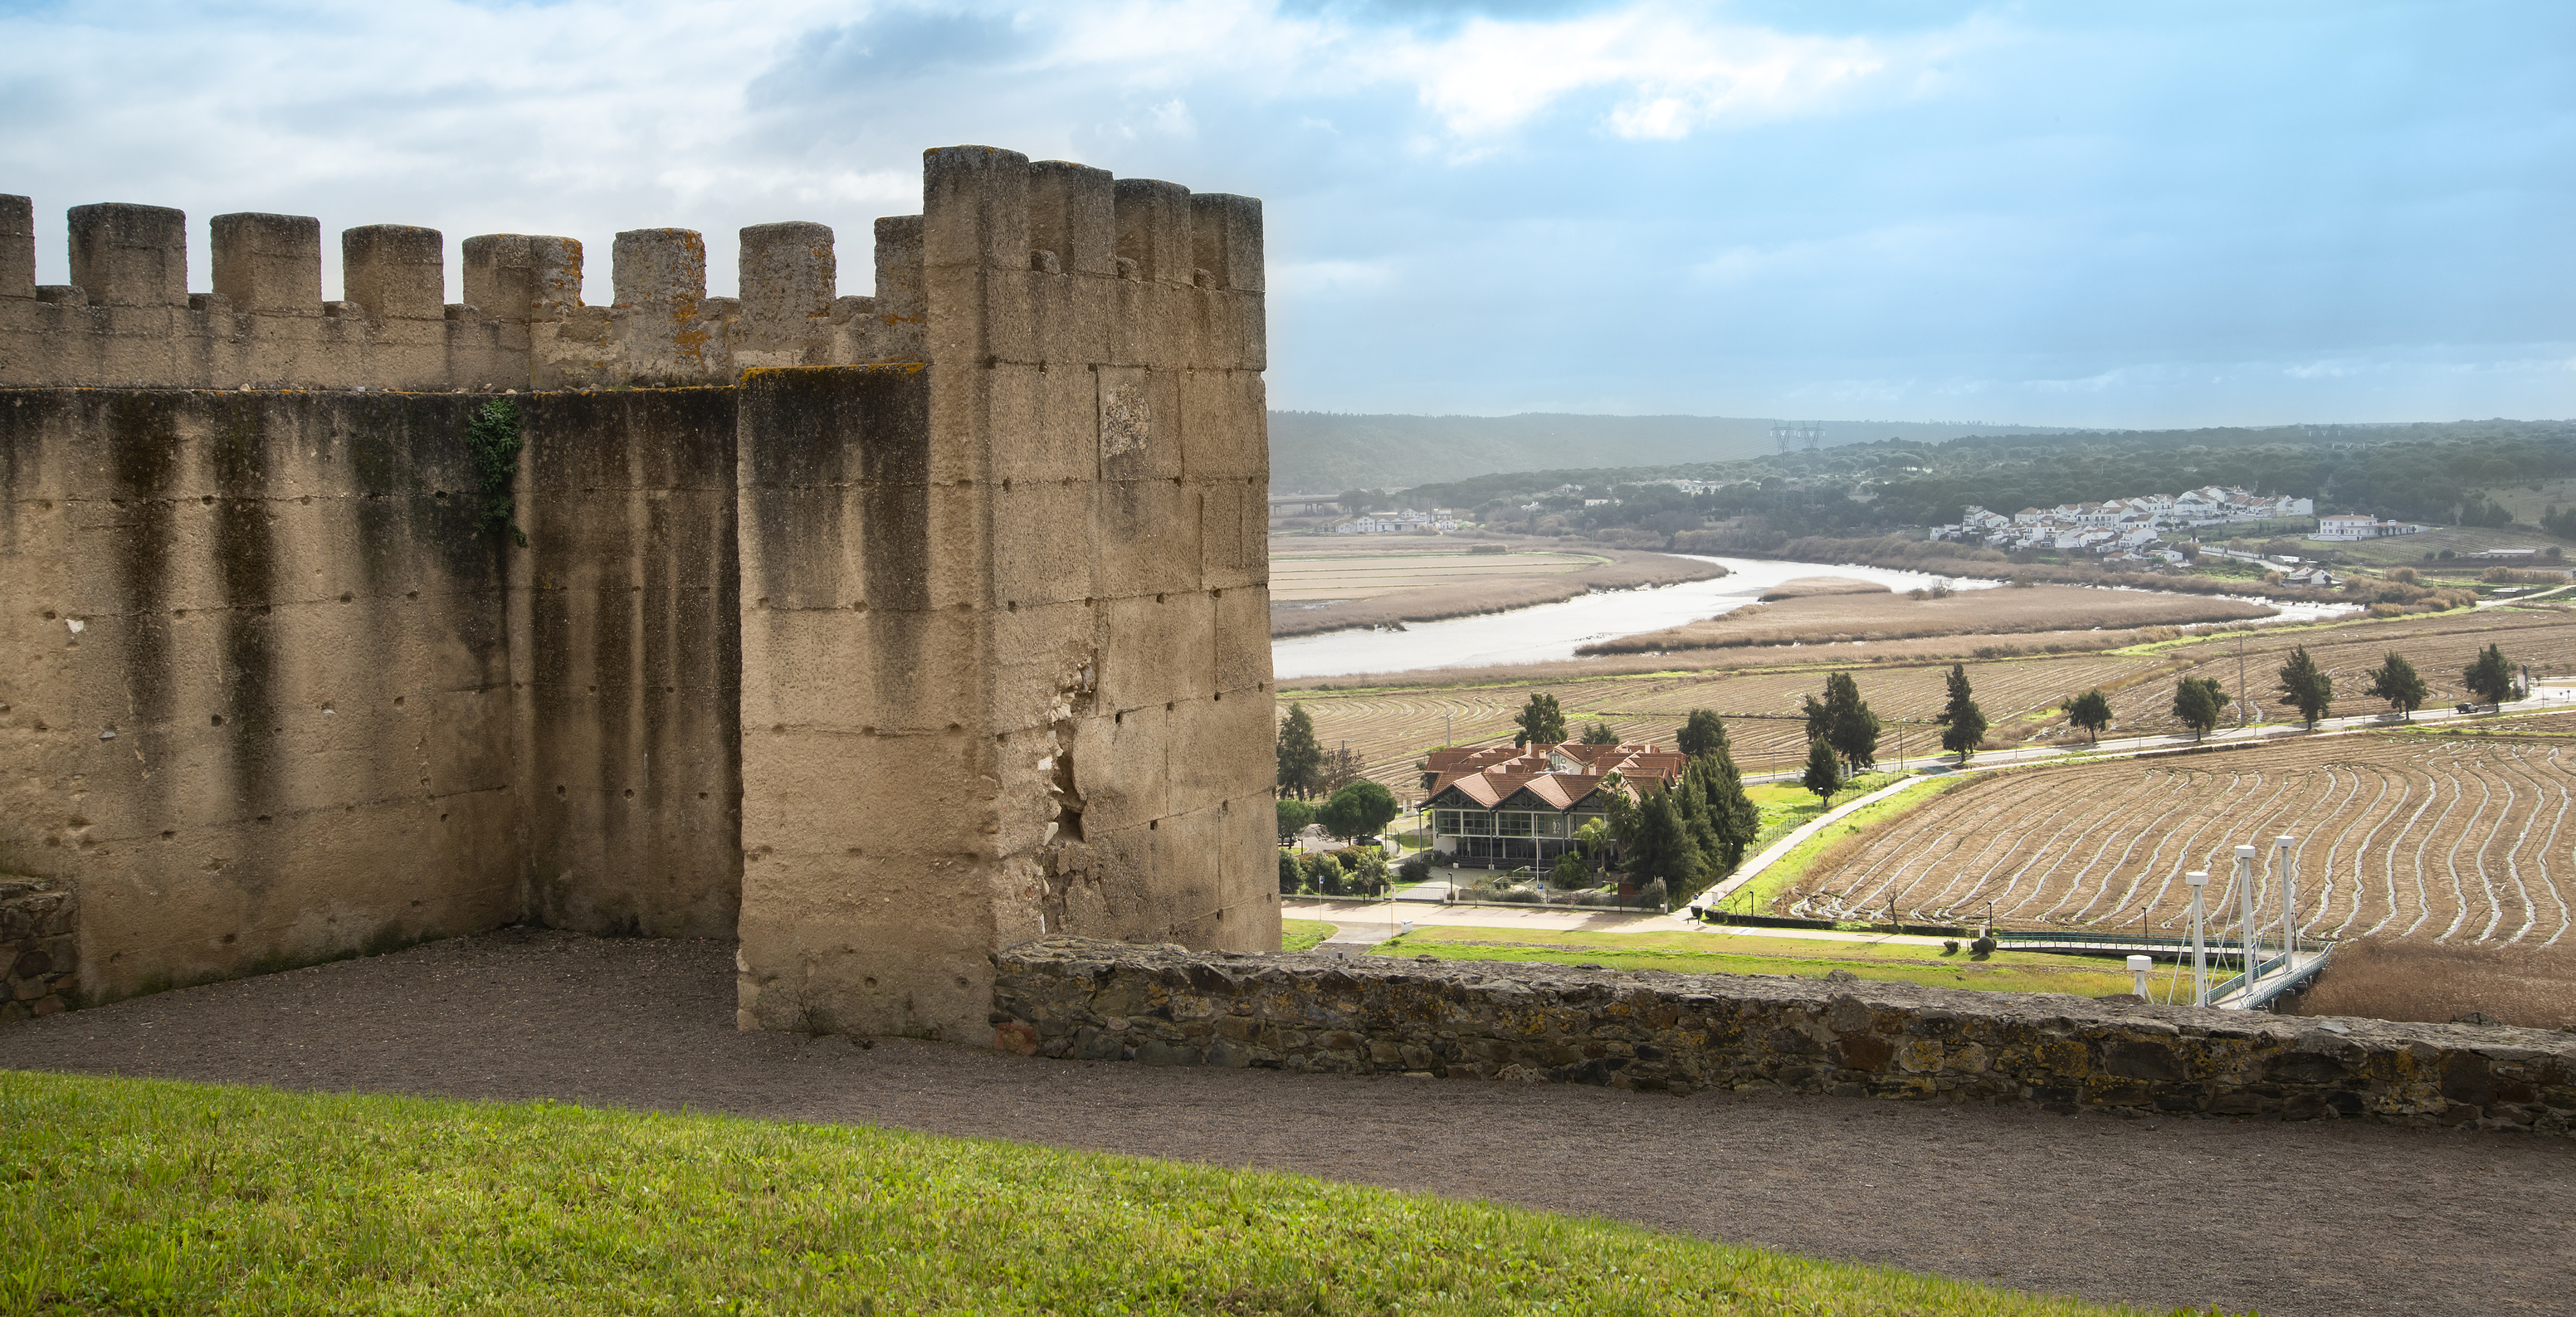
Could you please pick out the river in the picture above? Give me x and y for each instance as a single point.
(1550, 632)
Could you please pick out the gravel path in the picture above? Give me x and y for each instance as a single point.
(2343, 1218)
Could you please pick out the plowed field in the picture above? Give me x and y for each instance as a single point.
(1394, 727)
(2402, 836)
(2440, 647)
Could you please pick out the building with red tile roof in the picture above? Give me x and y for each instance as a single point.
(1503, 806)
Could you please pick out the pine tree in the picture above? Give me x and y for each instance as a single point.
(1664, 846)
(2310, 689)
(1598, 732)
(1301, 757)
(1541, 722)
(1850, 728)
(1733, 819)
(2090, 711)
(2490, 679)
(1963, 724)
(2395, 681)
(2198, 704)
(1824, 772)
(1701, 734)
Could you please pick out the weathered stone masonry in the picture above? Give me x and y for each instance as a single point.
(1085, 999)
(885, 630)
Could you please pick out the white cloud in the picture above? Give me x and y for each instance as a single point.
(1673, 71)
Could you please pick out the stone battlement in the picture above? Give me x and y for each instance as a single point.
(940, 623)
(127, 318)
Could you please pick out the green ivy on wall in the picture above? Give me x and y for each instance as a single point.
(494, 436)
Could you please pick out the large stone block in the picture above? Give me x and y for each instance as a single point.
(1121, 768)
(1157, 649)
(1149, 538)
(269, 264)
(815, 792)
(1225, 425)
(1141, 428)
(1242, 628)
(847, 671)
(1234, 533)
(128, 255)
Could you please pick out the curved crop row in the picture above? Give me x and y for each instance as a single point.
(2448, 841)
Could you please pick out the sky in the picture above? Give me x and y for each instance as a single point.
(2086, 214)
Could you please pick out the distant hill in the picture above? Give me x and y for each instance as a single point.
(1327, 452)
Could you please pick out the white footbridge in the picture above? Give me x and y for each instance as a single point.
(2269, 962)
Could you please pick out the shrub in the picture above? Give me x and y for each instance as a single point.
(1570, 871)
(1416, 868)
(1291, 878)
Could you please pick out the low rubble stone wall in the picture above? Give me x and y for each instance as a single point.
(1081, 999)
(39, 952)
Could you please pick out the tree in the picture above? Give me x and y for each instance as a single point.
(2307, 685)
(1294, 815)
(1664, 849)
(1301, 758)
(1824, 772)
(1341, 767)
(2198, 704)
(1844, 722)
(1357, 810)
(1963, 724)
(1541, 722)
(1290, 876)
(2490, 679)
(1714, 799)
(1591, 837)
(2090, 711)
(1357, 501)
(1702, 734)
(2395, 681)
(1600, 733)
(1570, 871)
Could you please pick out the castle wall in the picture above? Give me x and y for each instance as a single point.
(258, 708)
(625, 661)
(1053, 574)
(893, 629)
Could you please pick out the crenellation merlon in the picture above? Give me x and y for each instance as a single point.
(17, 247)
(1178, 273)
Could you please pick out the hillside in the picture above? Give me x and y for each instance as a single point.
(1327, 452)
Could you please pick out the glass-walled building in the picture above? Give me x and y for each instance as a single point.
(1503, 807)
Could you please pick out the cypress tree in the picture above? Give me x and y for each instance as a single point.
(2310, 690)
(1824, 772)
(1301, 758)
(1963, 723)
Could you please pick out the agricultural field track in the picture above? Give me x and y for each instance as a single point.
(1394, 726)
(2450, 840)
(2440, 646)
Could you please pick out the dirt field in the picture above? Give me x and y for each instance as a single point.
(1840, 618)
(2113, 1210)
(2390, 979)
(1393, 728)
(2402, 837)
(1333, 583)
(2440, 645)
(1394, 724)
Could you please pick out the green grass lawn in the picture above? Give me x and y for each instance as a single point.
(141, 1196)
(1784, 873)
(1687, 952)
(1302, 934)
